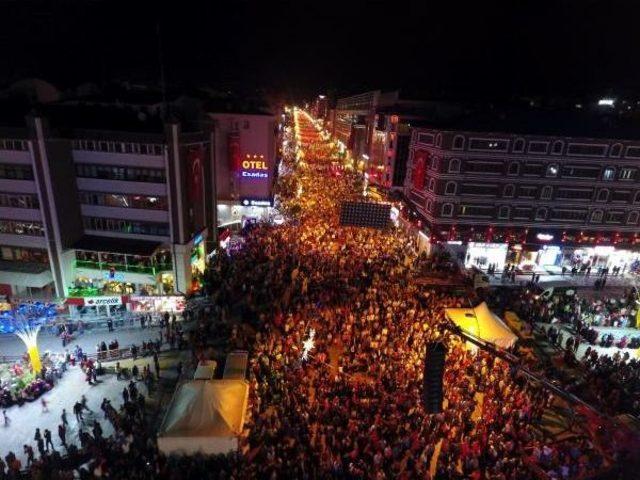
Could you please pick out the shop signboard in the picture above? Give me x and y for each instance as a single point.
(256, 202)
(101, 301)
(160, 304)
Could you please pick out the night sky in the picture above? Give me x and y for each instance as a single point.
(301, 48)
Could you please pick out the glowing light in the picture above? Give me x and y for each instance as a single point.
(608, 102)
(308, 345)
(29, 335)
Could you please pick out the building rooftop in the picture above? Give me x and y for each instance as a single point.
(543, 122)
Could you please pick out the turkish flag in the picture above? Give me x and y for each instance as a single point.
(194, 158)
(419, 168)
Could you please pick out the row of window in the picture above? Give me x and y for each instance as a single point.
(19, 254)
(539, 147)
(17, 227)
(19, 200)
(533, 191)
(506, 212)
(125, 226)
(12, 171)
(123, 200)
(11, 144)
(538, 169)
(118, 147)
(112, 172)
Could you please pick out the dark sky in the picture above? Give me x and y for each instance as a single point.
(302, 47)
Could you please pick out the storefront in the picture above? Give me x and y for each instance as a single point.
(236, 215)
(105, 306)
(482, 255)
(156, 304)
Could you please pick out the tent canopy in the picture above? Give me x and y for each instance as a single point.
(205, 416)
(482, 323)
(205, 371)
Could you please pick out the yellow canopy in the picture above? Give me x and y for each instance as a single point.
(482, 323)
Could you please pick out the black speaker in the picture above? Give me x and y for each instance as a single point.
(433, 370)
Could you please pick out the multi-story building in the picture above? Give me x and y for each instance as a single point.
(104, 200)
(321, 107)
(541, 201)
(376, 127)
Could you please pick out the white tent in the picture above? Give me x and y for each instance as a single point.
(205, 416)
(205, 370)
(482, 323)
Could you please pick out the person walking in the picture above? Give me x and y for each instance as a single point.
(38, 438)
(44, 403)
(28, 451)
(77, 411)
(5, 417)
(63, 417)
(156, 364)
(47, 438)
(62, 433)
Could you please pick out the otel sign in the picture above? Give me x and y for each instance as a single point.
(254, 166)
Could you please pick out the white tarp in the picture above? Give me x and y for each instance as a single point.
(205, 416)
(482, 323)
(205, 370)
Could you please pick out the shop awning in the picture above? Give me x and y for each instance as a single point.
(117, 245)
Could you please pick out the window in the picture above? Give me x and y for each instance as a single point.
(567, 215)
(450, 189)
(527, 191)
(503, 213)
(616, 150)
(34, 229)
(109, 172)
(533, 169)
(483, 167)
(454, 165)
(477, 211)
(620, 196)
(633, 218)
(481, 189)
(538, 147)
(552, 170)
(125, 226)
(614, 216)
(633, 152)
(432, 185)
(628, 173)
(434, 163)
(546, 192)
(558, 145)
(609, 173)
(522, 213)
(12, 171)
(514, 168)
(426, 138)
(429, 205)
(580, 171)
(439, 140)
(518, 145)
(586, 150)
(458, 142)
(18, 200)
(603, 195)
(583, 194)
(509, 191)
(636, 197)
(8, 144)
(541, 213)
(488, 144)
(447, 209)
(245, 125)
(123, 200)
(596, 216)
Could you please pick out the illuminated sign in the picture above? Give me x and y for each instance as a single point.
(254, 166)
(545, 237)
(99, 301)
(256, 202)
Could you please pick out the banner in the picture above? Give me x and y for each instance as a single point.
(99, 301)
(233, 144)
(419, 168)
(194, 161)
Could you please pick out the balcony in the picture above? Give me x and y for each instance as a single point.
(107, 266)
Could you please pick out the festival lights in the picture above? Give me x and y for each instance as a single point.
(308, 345)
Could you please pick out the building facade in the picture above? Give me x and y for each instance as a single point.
(542, 202)
(95, 212)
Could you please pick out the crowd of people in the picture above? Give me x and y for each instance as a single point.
(353, 408)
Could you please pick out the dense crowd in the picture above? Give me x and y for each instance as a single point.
(353, 409)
